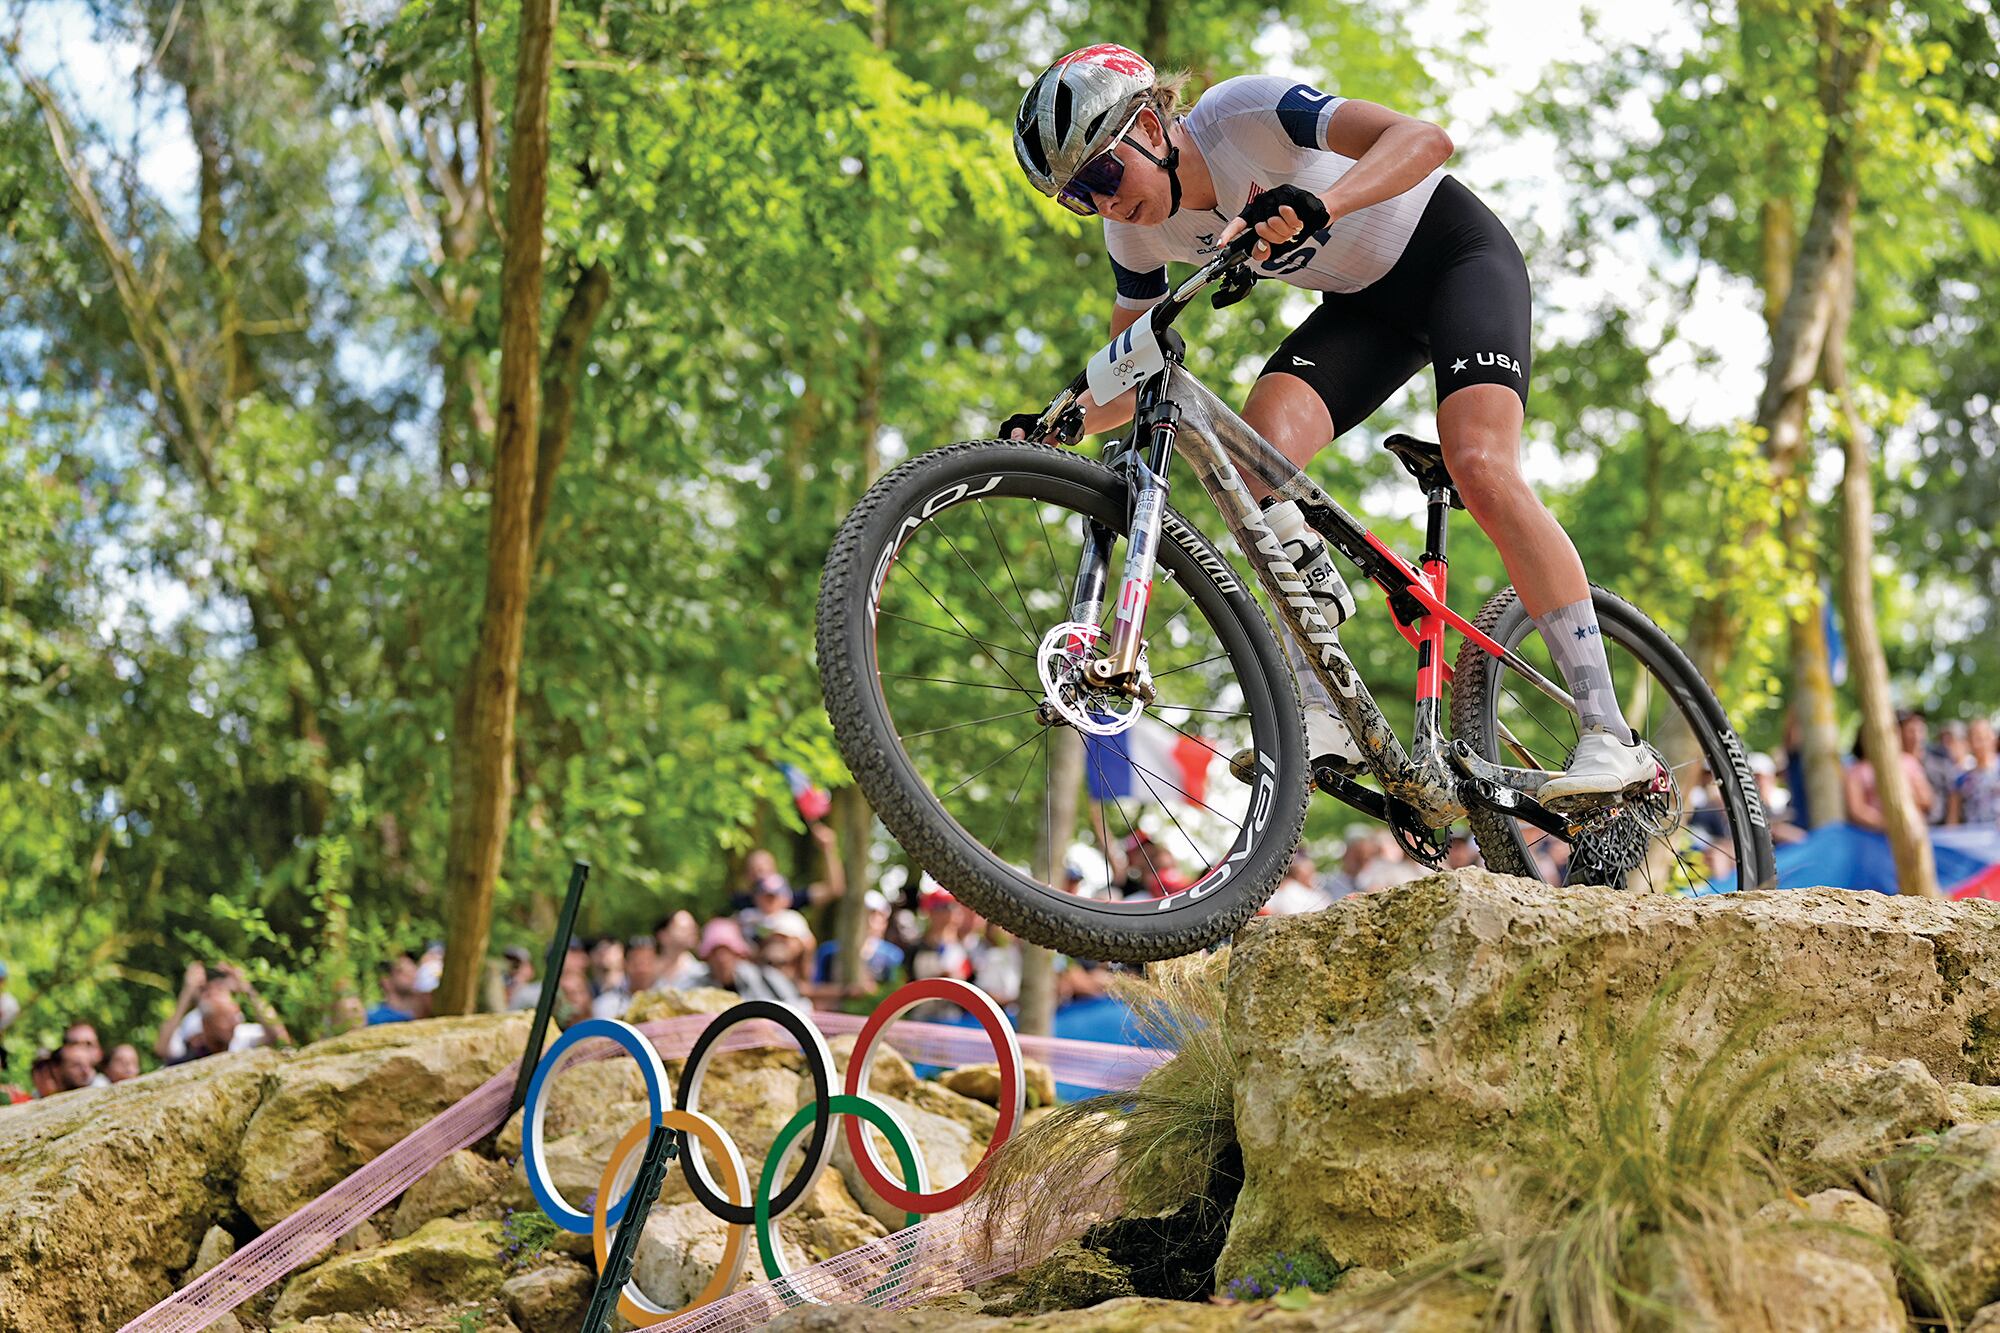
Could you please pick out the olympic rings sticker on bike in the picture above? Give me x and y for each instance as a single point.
(743, 1205)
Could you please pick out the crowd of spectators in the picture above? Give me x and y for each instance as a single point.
(764, 945)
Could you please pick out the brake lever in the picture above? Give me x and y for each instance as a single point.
(1237, 281)
(1236, 285)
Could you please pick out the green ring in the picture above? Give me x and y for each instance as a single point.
(838, 1104)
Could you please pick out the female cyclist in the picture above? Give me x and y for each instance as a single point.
(1348, 199)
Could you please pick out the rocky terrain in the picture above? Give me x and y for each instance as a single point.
(1787, 1103)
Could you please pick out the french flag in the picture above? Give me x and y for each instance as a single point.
(1149, 762)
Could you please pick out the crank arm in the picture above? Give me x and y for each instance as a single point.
(1387, 809)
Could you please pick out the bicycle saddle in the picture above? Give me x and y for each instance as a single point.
(1425, 462)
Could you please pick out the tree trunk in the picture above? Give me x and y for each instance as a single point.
(1798, 337)
(1058, 831)
(1906, 825)
(1816, 722)
(483, 748)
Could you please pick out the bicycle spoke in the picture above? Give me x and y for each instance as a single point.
(1161, 675)
(967, 628)
(969, 638)
(967, 684)
(1007, 822)
(1062, 583)
(971, 722)
(1026, 612)
(991, 595)
(969, 777)
(1192, 800)
(1201, 855)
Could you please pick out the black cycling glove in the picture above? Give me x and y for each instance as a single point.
(1068, 427)
(1305, 205)
(1025, 422)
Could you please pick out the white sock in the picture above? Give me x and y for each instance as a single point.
(1577, 644)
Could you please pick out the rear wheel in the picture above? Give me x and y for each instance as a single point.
(951, 675)
(1708, 826)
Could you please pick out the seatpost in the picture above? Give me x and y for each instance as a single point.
(1439, 501)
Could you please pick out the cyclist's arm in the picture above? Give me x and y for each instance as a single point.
(1392, 153)
(1118, 411)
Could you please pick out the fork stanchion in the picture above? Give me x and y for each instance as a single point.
(617, 1270)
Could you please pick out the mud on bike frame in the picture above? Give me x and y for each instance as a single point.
(1427, 785)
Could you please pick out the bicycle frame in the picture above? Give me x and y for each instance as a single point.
(1428, 784)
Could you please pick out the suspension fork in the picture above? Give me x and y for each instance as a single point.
(1155, 424)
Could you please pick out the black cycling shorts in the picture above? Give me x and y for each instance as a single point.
(1457, 298)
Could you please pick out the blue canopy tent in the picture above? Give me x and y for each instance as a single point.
(1843, 856)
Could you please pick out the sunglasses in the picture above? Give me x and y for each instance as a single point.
(1103, 174)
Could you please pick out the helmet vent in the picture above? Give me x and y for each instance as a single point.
(1062, 111)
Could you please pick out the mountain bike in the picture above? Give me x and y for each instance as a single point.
(967, 658)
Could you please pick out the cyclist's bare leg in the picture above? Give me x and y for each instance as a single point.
(1479, 428)
(1288, 412)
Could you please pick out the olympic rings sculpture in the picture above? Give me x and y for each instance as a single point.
(699, 1140)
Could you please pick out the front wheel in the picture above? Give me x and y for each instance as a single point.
(1709, 826)
(946, 610)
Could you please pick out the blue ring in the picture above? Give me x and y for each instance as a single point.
(641, 1050)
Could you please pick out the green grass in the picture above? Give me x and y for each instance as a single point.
(1157, 1143)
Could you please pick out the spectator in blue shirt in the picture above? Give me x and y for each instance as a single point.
(399, 992)
(878, 956)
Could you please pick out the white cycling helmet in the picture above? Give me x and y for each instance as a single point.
(1076, 111)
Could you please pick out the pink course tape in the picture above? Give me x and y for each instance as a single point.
(948, 1252)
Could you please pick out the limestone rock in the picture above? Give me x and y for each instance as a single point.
(982, 1083)
(340, 1103)
(445, 1262)
(1945, 1195)
(1985, 1320)
(1790, 1288)
(585, 1094)
(1073, 1277)
(679, 1003)
(549, 1299)
(1845, 1114)
(947, 1148)
(216, 1245)
(678, 1253)
(363, 1235)
(1837, 1223)
(459, 1183)
(1973, 1103)
(1383, 1047)
(105, 1194)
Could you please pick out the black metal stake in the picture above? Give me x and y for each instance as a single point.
(579, 871)
(660, 1152)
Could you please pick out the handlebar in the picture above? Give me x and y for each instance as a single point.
(1227, 263)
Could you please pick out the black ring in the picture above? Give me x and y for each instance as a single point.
(819, 1148)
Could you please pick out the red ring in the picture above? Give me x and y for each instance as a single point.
(1008, 1050)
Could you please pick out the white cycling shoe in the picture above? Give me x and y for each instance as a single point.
(1329, 744)
(1601, 766)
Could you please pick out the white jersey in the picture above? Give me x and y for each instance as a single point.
(1255, 132)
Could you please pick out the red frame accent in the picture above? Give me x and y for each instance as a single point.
(1428, 589)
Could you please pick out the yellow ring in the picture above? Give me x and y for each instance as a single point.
(632, 1302)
